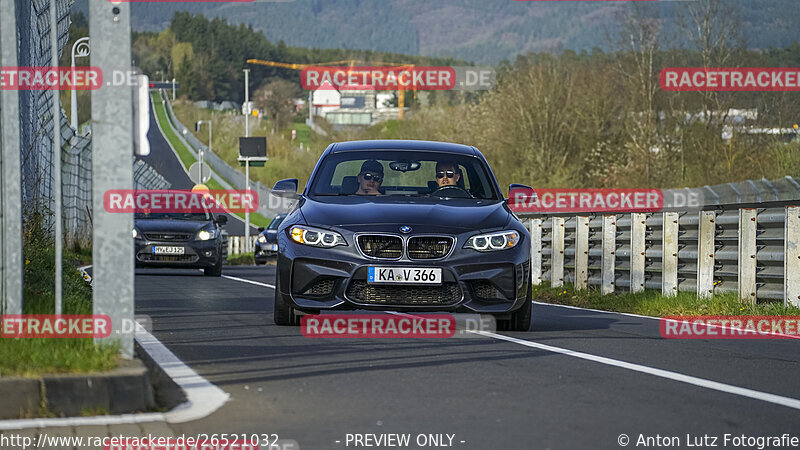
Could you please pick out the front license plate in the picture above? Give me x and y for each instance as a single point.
(403, 275)
(167, 250)
(273, 247)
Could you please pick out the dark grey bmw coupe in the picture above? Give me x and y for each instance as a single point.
(402, 226)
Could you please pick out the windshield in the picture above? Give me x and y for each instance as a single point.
(276, 222)
(200, 216)
(404, 173)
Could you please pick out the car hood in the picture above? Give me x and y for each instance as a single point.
(422, 215)
(184, 226)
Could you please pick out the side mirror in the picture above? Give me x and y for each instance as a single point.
(260, 229)
(286, 188)
(222, 220)
(520, 193)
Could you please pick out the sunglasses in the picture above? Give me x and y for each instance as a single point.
(368, 176)
(445, 173)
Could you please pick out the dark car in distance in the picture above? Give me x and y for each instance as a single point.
(402, 226)
(180, 240)
(267, 241)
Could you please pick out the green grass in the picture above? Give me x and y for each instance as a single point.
(187, 159)
(242, 259)
(652, 303)
(303, 132)
(34, 356)
(285, 160)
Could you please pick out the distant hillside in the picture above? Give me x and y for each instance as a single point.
(484, 31)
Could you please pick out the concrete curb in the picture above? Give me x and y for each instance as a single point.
(125, 389)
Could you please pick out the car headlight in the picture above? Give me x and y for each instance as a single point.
(493, 241)
(315, 236)
(205, 235)
(262, 239)
(136, 233)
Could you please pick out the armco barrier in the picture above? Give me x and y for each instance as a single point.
(752, 249)
(268, 204)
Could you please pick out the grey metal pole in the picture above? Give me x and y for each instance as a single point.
(112, 168)
(82, 47)
(56, 160)
(173, 89)
(247, 210)
(10, 173)
(247, 102)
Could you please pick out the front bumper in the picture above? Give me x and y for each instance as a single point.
(336, 278)
(196, 254)
(263, 251)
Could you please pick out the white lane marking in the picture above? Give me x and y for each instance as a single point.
(243, 280)
(688, 379)
(202, 397)
(19, 424)
(724, 327)
(596, 310)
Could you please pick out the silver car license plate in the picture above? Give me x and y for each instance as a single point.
(167, 250)
(404, 275)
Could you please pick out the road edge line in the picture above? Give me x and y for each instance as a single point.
(776, 399)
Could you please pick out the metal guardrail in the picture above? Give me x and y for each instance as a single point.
(268, 204)
(752, 249)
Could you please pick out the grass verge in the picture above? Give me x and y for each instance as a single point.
(187, 159)
(35, 356)
(652, 303)
(242, 259)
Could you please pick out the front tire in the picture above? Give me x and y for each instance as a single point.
(282, 311)
(520, 319)
(215, 270)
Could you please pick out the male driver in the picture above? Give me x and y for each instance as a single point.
(370, 178)
(447, 174)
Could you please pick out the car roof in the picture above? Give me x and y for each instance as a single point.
(401, 144)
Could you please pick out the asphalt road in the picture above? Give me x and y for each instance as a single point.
(165, 162)
(490, 393)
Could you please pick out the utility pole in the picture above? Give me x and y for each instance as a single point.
(112, 131)
(247, 161)
(246, 102)
(59, 235)
(10, 173)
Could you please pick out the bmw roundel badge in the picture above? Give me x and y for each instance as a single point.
(405, 229)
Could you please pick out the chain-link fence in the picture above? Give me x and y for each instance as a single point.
(36, 130)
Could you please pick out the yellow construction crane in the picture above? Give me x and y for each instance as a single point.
(351, 63)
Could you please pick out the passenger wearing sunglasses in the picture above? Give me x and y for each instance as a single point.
(447, 174)
(370, 178)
